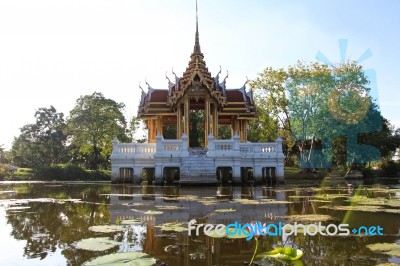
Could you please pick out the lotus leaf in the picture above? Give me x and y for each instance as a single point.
(96, 244)
(392, 249)
(309, 218)
(127, 259)
(131, 222)
(169, 207)
(153, 212)
(225, 210)
(175, 227)
(281, 253)
(106, 228)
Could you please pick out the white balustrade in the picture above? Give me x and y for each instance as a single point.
(171, 145)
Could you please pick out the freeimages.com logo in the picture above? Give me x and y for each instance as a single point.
(250, 230)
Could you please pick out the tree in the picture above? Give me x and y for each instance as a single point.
(272, 109)
(92, 124)
(2, 153)
(322, 111)
(41, 143)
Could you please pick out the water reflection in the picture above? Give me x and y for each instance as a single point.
(50, 226)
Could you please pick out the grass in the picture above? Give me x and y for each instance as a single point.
(59, 173)
(297, 173)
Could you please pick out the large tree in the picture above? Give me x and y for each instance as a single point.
(321, 111)
(92, 124)
(41, 143)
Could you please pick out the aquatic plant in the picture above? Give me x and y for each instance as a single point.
(392, 249)
(127, 259)
(175, 227)
(282, 253)
(106, 228)
(96, 244)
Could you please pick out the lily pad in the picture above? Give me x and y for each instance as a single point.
(169, 207)
(214, 234)
(362, 208)
(395, 203)
(281, 253)
(309, 218)
(236, 235)
(131, 222)
(106, 228)
(128, 259)
(96, 244)
(331, 196)
(225, 210)
(392, 249)
(136, 204)
(7, 192)
(18, 208)
(272, 201)
(320, 201)
(175, 227)
(258, 202)
(153, 212)
(208, 202)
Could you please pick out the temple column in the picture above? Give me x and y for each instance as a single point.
(237, 126)
(242, 131)
(178, 122)
(245, 123)
(187, 117)
(233, 124)
(206, 121)
(160, 125)
(215, 121)
(151, 127)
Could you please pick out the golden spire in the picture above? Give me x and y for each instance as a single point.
(196, 49)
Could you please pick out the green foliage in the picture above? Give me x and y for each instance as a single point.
(169, 132)
(224, 132)
(43, 142)
(196, 137)
(4, 168)
(93, 123)
(283, 253)
(62, 172)
(313, 106)
(272, 107)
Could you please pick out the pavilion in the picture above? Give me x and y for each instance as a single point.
(188, 124)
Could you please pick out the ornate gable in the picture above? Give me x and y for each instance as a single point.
(196, 78)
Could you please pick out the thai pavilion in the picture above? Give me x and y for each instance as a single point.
(184, 123)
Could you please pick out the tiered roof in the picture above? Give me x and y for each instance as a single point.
(231, 102)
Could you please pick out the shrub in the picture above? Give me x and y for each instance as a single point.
(68, 172)
(4, 168)
(390, 169)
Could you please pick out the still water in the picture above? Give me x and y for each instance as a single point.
(59, 223)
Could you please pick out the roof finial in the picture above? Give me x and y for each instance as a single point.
(197, 42)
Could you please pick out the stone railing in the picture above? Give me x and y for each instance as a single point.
(131, 150)
(233, 147)
(216, 148)
(163, 147)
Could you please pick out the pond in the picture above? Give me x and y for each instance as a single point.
(59, 223)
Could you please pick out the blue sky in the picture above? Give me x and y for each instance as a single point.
(52, 52)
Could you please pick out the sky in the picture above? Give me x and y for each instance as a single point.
(52, 51)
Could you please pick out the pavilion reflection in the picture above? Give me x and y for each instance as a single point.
(182, 204)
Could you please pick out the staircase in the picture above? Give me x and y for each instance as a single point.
(198, 168)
